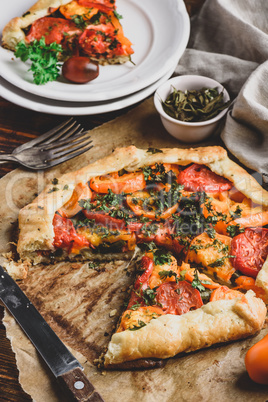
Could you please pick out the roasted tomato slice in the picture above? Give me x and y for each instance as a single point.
(250, 250)
(100, 41)
(142, 282)
(178, 298)
(105, 219)
(53, 30)
(102, 5)
(66, 236)
(200, 178)
(224, 293)
(74, 8)
(127, 183)
(142, 203)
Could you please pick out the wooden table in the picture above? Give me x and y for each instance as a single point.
(17, 126)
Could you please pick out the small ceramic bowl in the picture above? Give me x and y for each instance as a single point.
(185, 131)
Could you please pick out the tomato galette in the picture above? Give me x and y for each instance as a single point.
(86, 27)
(198, 220)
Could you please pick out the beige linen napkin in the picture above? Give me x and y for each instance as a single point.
(229, 42)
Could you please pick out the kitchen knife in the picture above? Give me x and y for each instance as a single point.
(59, 359)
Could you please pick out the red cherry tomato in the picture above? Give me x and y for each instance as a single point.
(178, 298)
(79, 69)
(200, 178)
(256, 361)
(250, 250)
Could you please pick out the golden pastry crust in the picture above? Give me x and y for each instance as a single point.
(168, 335)
(35, 219)
(13, 31)
(262, 278)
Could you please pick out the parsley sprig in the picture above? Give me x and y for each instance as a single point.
(44, 58)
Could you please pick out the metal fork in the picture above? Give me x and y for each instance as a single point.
(58, 145)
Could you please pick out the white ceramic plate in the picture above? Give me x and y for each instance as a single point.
(158, 29)
(44, 105)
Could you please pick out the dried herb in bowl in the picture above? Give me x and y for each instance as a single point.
(196, 105)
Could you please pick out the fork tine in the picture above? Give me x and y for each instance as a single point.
(66, 157)
(41, 138)
(70, 133)
(65, 150)
(67, 141)
(67, 131)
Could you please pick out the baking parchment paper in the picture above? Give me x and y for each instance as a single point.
(82, 304)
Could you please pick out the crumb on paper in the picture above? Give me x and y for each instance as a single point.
(113, 313)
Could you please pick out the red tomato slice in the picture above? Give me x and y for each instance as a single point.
(66, 236)
(164, 237)
(105, 220)
(142, 282)
(127, 183)
(100, 40)
(178, 298)
(112, 223)
(200, 178)
(250, 250)
(53, 30)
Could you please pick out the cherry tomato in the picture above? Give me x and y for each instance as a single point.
(66, 235)
(178, 298)
(200, 178)
(80, 70)
(256, 361)
(126, 183)
(53, 29)
(250, 250)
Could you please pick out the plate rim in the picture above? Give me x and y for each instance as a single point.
(24, 99)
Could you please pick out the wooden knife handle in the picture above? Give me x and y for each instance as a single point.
(77, 387)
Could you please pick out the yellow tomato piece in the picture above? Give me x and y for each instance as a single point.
(135, 319)
(156, 280)
(74, 8)
(212, 254)
(227, 208)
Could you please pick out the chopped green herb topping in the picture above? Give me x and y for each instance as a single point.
(154, 150)
(162, 257)
(139, 326)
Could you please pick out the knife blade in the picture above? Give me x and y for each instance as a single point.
(59, 359)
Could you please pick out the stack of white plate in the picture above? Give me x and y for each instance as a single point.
(159, 31)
